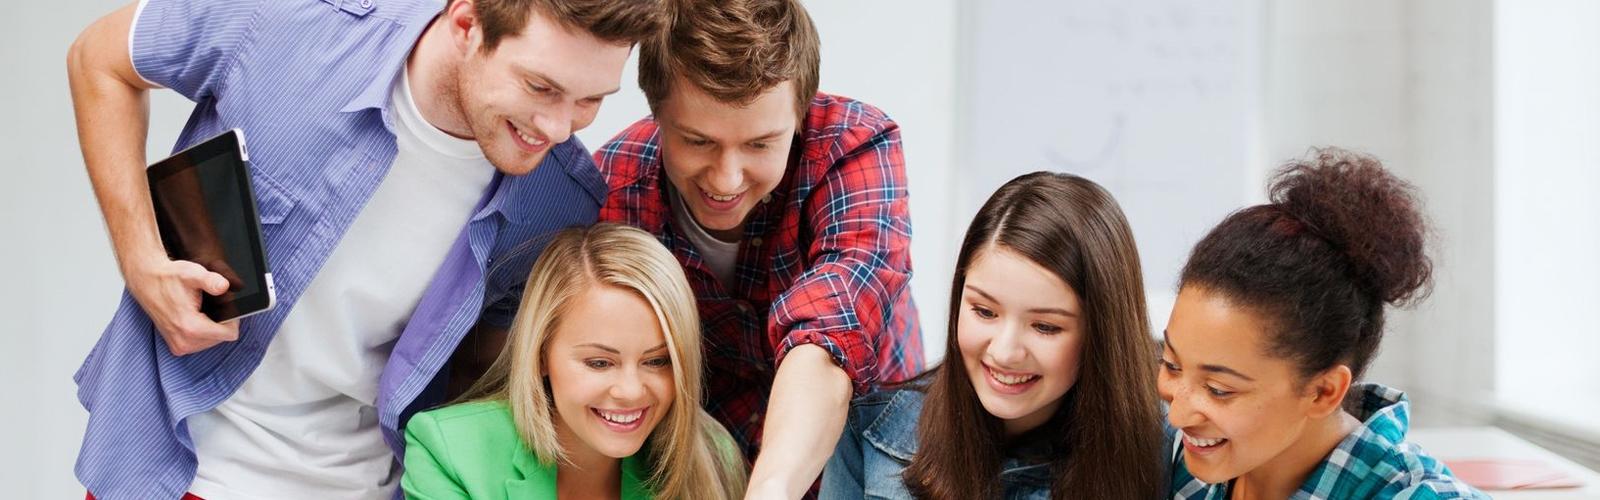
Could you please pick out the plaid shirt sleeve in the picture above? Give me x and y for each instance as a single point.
(859, 254)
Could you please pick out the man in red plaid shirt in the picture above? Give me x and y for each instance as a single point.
(787, 208)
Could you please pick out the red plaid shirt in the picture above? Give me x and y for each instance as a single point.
(824, 260)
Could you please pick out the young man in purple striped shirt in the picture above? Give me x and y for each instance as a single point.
(406, 156)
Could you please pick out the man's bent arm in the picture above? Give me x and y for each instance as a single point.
(111, 105)
(805, 415)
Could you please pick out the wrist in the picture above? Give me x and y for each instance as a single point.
(136, 264)
(770, 487)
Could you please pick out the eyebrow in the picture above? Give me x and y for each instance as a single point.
(763, 137)
(614, 350)
(557, 85)
(1210, 368)
(1044, 310)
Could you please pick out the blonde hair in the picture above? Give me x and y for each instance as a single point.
(685, 458)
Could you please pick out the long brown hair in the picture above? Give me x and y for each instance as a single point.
(1107, 432)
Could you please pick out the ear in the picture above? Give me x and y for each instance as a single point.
(466, 34)
(1326, 391)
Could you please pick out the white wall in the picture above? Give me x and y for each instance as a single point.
(1408, 82)
(1157, 101)
(1449, 339)
(62, 284)
(1336, 76)
(1547, 207)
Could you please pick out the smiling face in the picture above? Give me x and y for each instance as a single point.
(610, 373)
(724, 158)
(1238, 407)
(534, 89)
(1020, 337)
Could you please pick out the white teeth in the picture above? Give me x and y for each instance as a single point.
(527, 138)
(1013, 379)
(728, 197)
(1202, 442)
(621, 418)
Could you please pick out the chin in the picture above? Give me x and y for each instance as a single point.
(1210, 475)
(717, 223)
(619, 449)
(516, 166)
(1002, 409)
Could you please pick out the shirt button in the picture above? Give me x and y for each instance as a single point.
(366, 4)
(767, 198)
(744, 308)
(756, 242)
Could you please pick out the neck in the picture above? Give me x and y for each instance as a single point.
(1281, 476)
(433, 67)
(732, 235)
(594, 481)
(586, 473)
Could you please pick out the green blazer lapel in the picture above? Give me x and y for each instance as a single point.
(634, 477)
(538, 481)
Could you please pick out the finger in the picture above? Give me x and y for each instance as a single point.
(228, 273)
(194, 275)
(185, 347)
(230, 330)
(216, 284)
(198, 326)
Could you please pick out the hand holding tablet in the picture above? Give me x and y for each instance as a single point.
(206, 213)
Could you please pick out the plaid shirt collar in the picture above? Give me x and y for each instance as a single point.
(1374, 460)
(823, 261)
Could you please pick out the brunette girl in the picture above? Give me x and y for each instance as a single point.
(1046, 390)
(1279, 310)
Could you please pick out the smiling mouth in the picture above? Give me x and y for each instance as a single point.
(1010, 383)
(621, 420)
(527, 142)
(1200, 444)
(721, 201)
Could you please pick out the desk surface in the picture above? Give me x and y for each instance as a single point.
(1461, 443)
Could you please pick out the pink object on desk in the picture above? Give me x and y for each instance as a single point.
(1503, 474)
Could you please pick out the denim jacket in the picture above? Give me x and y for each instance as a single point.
(878, 443)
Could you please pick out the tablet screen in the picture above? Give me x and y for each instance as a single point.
(206, 214)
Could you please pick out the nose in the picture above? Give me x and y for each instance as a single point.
(1180, 410)
(1006, 347)
(628, 386)
(725, 176)
(555, 123)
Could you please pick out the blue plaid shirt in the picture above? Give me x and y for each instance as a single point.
(1372, 462)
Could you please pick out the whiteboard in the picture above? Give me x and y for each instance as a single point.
(1157, 100)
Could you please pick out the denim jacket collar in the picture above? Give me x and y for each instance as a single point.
(894, 432)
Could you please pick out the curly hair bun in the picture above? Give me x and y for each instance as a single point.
(1362, 210)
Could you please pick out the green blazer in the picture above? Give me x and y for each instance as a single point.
(472, 450)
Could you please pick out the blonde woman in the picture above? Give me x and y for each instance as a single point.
(596, 394)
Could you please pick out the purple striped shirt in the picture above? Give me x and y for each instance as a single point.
(308, 81)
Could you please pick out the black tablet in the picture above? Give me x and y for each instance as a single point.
(206, 212)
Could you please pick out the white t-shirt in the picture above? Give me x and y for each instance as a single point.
(304, 424)
(720, 256)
